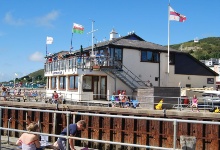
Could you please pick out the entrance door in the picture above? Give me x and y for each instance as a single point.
(95, 87)
(103, 87)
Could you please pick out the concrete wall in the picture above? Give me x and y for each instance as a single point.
(150, 97)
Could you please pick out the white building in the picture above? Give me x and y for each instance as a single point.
(123, 63)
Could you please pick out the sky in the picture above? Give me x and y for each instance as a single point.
(25, 24)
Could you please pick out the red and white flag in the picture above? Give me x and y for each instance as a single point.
(176, 16)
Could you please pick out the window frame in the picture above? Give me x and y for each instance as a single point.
(75, 82)
(89, 82)
(62, 82)
(53, 82)
(150, 56)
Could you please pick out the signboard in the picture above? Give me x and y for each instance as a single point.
(210, 80)
(57, 72)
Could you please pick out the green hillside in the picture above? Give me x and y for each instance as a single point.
(203, 49)
(36, 77)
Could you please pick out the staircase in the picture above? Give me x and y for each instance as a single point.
(125, 75)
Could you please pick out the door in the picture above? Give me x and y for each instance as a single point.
(103, 87)
(95, 87)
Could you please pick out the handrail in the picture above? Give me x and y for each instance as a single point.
(128, 72)
(9, 120)
(175, 121)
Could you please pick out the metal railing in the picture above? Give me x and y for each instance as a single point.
(204, 103)
(175, 121)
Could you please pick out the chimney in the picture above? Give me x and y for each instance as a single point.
(113, 34)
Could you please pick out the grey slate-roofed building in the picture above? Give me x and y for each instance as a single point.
(126, 63)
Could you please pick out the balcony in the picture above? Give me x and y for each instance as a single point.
(71, 65)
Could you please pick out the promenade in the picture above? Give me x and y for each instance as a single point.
(12, 146)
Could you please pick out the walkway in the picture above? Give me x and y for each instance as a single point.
(12, 146)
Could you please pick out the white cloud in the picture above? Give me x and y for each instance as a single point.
(47, 19)
(37, 56)
(9, 19)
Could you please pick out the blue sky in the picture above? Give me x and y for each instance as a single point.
(25, 24)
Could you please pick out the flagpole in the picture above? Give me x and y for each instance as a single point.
(71, 47)
(92, 36)
(168, 53)
(46, 49)
(14, 81)
(92, 54)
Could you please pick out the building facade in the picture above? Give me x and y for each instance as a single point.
(123, 63)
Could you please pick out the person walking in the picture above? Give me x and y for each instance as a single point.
(73, 130)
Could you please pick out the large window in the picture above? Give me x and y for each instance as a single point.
(53, 82)
(149, 56)
(87, 83)
(118, 54)
(62, 82)
(73, 82)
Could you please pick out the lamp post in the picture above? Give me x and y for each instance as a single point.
(15, 75)
(32, 82)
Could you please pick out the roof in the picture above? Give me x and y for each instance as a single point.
(131, 41)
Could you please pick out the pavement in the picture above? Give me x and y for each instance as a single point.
(10, 144)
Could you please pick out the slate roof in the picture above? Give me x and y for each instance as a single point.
(131, 41)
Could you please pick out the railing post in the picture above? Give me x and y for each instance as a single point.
(174, 133)
(9, 120)
(0, 126)
(67, 127)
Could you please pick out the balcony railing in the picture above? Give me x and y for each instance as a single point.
(77, 62)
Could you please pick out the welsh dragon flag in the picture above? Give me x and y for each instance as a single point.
(77, 28)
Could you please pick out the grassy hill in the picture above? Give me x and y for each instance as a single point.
(36, 77)
(203, 49)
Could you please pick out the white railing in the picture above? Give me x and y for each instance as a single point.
(175, 121)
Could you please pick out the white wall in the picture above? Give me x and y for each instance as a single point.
(144, 70)
(148, 71)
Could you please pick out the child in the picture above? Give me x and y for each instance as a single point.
(195, 102)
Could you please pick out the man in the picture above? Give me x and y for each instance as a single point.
(4, 92)
(73, 129)
(55, 97)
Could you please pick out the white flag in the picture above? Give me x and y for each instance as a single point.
(49, 40)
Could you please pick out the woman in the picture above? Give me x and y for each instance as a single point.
(29, 141)
(195, 102)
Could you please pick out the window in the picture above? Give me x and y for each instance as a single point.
(87, 83)
(188, 85)
(149, 56)
(62, 82)
(172, 58)
(73, 82)
(70, 63)
(53, 82)
(118, 54)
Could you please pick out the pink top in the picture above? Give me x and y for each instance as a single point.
(194, 100)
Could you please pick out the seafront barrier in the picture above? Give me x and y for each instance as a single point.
(129, 128)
